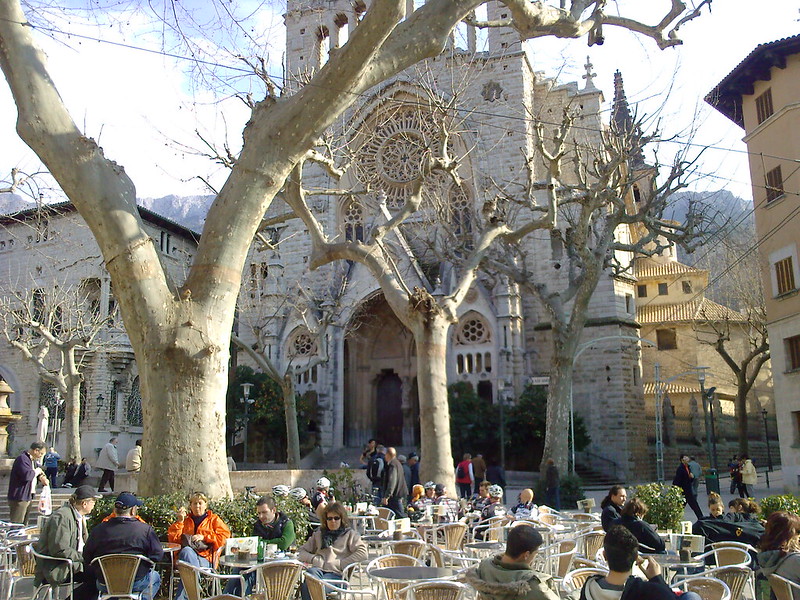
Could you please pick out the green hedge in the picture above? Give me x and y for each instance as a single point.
(786, 502)
(239, 513)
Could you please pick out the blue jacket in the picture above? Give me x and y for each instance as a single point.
(51, 460)
(122, 535)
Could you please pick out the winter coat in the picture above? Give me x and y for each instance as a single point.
(749, 475)
(644, 533)
(213, 529)
(465, 466)
(346, 550)
(635, 589)
(20, 481)
(133, 460)
(479, 468)
(683, 480)
(122, 535)
(59, 538)
(108, 458)
(778, 563)
(609, 515)
(496, 580)
(394, 482)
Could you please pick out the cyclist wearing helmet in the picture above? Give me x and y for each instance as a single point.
(280, 491)
(322, 495)
(495, 506)
(430, 491)
(480, 500)
(301, 496)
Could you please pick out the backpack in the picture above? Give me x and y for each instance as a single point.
(460, 474)
(375, 467)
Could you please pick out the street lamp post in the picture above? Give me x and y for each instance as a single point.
(502, 388)
(766, 439)
(246, 387)
(708, 414)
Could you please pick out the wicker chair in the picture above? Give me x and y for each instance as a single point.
(192, 575)
(452, 535)
(46, 590)
(578, 562)
(386, 513)
(119, 573)
(736, 577)
(708, 588)
(319, 588)
(574, 580)
(591, 542)
(434, 590)
(390, 588)
(443, 558)
(547, 518)
(276, 579)
(782, 587)
(732, 553)
(415, 548)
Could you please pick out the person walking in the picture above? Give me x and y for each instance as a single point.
(108, 462)
(683, 479)
(735, 470)
(479, 469)
(50, 462)
(697, 473)
(465, 476)
(552, 485)
(394, 487)
(749, 477)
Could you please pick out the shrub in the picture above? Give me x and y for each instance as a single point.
(344, 486)
(665, 504)
(239, 513)
(785, 502)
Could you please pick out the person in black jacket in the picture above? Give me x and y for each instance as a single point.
(125, 534)
(632, 518)
(394, 487)
(621, 549)
(612, 505)
(684, 479)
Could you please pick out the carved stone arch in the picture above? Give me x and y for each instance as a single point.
(352, 219)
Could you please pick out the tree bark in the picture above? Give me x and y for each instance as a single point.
(72, 405)
(430, 338)
(556, 441)
(290, 412)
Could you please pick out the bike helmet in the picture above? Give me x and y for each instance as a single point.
(297, 493)
(429, 485)
(280, 491)
(495, 491)
(323, 482)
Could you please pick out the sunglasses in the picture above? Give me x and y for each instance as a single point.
(333, 518)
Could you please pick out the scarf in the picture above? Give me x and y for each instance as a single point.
(329, 537)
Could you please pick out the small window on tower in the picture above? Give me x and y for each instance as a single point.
(641, 290)
(687, 286)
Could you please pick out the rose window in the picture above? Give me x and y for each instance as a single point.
(473, 331)
(304, 345)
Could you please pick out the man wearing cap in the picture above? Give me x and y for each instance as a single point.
(125, 534)
(63, 536)
(450, 505)
(510, 575)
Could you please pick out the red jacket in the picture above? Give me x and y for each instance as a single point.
(213, 529)
(464, 465)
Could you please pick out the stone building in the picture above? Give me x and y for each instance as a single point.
(42, 251)
(367, 387)
(761, 96)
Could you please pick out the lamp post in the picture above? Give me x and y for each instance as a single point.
(502, 387)
(708, 412)
(246, 387)
(766, 439)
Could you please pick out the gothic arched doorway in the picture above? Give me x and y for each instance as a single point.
(389, 406)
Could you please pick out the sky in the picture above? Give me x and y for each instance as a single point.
(151, 112)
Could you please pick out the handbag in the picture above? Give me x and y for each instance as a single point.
(196, 545)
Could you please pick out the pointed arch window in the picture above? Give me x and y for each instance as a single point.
(353, 219)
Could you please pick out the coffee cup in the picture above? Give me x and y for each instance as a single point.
(272, 549)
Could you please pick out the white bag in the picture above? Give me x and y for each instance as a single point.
(45, 501)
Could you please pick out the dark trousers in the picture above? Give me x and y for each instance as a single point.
(396, 504)
(465, 490)
(552, 497)
(691, 500)
(52, 475)
(108, 477)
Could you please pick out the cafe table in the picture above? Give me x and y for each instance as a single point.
(170, 549)
(411, 574)
(484, 548)
(674, 563)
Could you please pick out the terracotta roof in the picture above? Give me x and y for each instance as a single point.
(648, 269)
(697, 310)
(726, 97)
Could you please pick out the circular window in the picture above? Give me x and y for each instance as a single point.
(304, 345)
(473, 331)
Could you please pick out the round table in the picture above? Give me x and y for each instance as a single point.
(170, 549)
(484, 548)
(411, 573)
(363, 522)
(674, 563)
(234, 562)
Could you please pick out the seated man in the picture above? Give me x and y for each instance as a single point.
(126, 534)
(451, 509)
(510, 575)
(622, 551)
(63, 536)
(273, 527)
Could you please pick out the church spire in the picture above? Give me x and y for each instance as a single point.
(622, 120)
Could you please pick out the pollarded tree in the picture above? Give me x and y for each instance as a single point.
(603, 226)
(57, 331)
(181, 333)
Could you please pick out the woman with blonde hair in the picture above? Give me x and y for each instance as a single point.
(780, 547)
(417, 502)
(200, 532)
